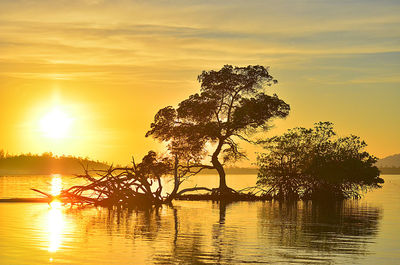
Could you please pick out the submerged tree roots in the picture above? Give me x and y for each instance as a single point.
(116, 186)
(134, 187)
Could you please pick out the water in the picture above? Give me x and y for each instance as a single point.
(351, 232)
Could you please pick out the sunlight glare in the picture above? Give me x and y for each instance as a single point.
(56, 124)
(55, 217)
(55, 226)
(56, 204)
(56, 185)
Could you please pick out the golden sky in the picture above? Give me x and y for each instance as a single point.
(109, 66)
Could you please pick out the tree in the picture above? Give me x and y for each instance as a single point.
(231, 105)
(314, 163)
(136, 186)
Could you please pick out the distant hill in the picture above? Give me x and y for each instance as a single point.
(28, 164)
(389, 161)
(389, 165)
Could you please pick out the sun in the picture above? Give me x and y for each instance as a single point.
(56, 124)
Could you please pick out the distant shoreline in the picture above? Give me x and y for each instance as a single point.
(228, 171)
(390, 170)
(46, 164)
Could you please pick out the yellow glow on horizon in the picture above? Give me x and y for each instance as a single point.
(56, 124)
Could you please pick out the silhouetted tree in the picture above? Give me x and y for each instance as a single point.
(231, 105)
(312, 163)
(185, 159)
(152, 167)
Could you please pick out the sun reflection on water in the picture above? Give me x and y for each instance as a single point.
(56, 185)
(55, 218)
(55, 226)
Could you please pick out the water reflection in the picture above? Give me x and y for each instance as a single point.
(56, 185)
(330, 228)
(288, 232)
(225, 237)
(130, 224)
(55, 218)
(223, 233)
(203, 232)
(220, 233)
(55, 226)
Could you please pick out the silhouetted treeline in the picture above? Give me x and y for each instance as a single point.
(46, 163)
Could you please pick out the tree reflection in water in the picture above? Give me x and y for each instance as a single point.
(330, 228)
(191, 245)
(221, 233)
(144, 224)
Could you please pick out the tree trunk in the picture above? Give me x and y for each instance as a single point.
(218, 166)
(176, 181)
(221, 173)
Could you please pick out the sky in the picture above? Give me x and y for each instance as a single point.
(109, 66)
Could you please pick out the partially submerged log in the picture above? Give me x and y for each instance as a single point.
(231, 198)
(246, 194)
(33, 200)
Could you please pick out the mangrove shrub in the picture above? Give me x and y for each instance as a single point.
(314, 163)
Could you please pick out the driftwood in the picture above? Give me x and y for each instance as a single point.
(246, 194)
(193, 189)
(126, 186)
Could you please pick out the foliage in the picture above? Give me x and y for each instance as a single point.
(310, 163)
(231, 105)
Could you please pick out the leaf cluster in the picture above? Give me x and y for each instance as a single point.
(315, 162)
(231, 101)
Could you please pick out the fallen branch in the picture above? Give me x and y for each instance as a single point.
(193, 189)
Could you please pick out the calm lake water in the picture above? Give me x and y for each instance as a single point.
(351, 232)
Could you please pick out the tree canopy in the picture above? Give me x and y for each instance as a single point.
(311, 163)
(231, 105)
